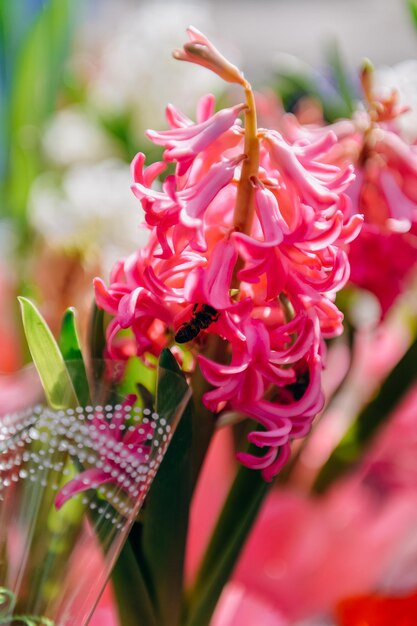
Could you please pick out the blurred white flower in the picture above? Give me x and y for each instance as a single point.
(130, 64)
(73, 137)
(403, 78)
(91, 210)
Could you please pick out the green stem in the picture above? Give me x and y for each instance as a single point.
(203, 419)
(236, 520)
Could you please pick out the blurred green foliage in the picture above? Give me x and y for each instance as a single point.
(334, 87)
(33, 54)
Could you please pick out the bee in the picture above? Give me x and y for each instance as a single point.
(201, 319)
(299, 387)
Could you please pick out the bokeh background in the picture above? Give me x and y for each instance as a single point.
(81, 80)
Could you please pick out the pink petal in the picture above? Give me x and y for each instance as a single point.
(217, 373)
(205, 108)
(127, 307)
(218, 274)
(88, 479)
(105, 300)
(273, 224)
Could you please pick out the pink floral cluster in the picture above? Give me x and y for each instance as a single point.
(384, 191)
(272, 288)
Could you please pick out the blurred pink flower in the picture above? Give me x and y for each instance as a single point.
(105, 613)
(384, 190)
(304, 555)
(381, 262)
(19, 390)
(211, 490)
(239, 606)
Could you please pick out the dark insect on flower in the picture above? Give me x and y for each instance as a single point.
(299, 387)
(201, 319)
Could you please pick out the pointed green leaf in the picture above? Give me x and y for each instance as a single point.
(97, 345)
(47, 358)
(96, 333)
(133, 601)
(69, 345)
(155, 548)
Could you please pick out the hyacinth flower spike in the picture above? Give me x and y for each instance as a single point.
(255, 227)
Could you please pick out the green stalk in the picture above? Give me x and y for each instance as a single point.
(233, 526)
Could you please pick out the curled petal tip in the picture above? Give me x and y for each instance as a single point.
(201, 51)
(179, 55)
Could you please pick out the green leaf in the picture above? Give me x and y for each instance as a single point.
(97, 344)
(370, 420)
(135, 371)
(47, 358)
(96, 333)
(133, 601)
(233, 526)
(69, 345)
(171, 387)
(412, 6)
(341, 77)
(165, 519)
(37, 75)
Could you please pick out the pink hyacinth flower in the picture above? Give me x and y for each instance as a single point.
(255, 226)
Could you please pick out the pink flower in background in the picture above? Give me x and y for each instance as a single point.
(304, 556)
(270, 283)
(307, 554)
(239, 606)
(381, 263)
(105, 613)
(211, 490)
(384, 191)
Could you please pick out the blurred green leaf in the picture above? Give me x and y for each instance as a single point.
(353, 445)
(37, 75)
(136, 371)
(97, 343)
(47, 358)
(412, 6)
(70, 347)
(294, 84)
(341, 77)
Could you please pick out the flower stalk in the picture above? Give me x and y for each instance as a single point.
(245, 204)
